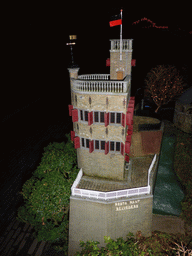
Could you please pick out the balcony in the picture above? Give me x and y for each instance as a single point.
(126, 44)
(100, 83)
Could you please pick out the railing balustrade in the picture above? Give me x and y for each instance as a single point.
(112, 194)
(86, 84)
(126, 44)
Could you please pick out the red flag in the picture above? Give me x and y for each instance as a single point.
(115, 22)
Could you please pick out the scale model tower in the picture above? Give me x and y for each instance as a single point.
(105, 200)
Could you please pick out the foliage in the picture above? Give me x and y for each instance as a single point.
(163, 83)
(46, 194)
(158, 244)
(183, 168)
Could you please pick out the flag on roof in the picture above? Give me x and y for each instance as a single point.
(115, 21)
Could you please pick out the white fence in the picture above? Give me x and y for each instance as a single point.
(95, 77)
(112, 194)
(85, 84)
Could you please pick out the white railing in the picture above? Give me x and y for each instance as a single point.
(112, 194)
(151, 167)
(101, 86)
(126, 44)
(95, 77)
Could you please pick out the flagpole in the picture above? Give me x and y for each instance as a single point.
(121, 28)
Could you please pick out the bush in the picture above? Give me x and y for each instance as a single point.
(158, 244)
(46, 194)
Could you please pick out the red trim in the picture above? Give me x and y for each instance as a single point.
(106, 148)
(122, 148)
(70, 109)
(75, 115)
(127, 147)
(91, 148)
(72, 135)
(77, 142)
(106, 117)
(90, 118)
(127, 158)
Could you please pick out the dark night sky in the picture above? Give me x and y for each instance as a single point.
(37, 56)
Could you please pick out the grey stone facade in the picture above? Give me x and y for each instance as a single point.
(94, 219)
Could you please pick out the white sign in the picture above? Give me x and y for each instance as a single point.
(121, 206)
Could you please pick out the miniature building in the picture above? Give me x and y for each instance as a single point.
(183, 111)
(113, 192)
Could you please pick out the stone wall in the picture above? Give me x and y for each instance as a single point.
(117, 65)
(95, 219)
(100, 102)
(98, 164)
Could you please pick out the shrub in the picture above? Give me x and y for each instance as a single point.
(46, 194)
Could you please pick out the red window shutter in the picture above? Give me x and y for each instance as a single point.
(106, 148)
(75, 115)
(132, 98)
(108, 62)
(90, 118)
(127, 158)
(122, 148)
(127, 147)
(72, 135)
(123, 119)
(91, 148)
(128, 138)
(77, 142)
(70, 109)
(106, 119)
(130, 132)
(129, 117)
(133, 62)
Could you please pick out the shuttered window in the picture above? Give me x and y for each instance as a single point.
(90, 118)
(72, 135)
(70, 109)
(77, 142)
(75, 115)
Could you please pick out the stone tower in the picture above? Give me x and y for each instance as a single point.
(109, 196)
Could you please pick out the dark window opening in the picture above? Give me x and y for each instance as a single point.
(102, 145)
(112, 117)
(86, 115)
(117, 146)
(102, 117)
(118, 118)
(96, 117)
(81, 113)
(96, 144)
(112, 147)
(87, 143)
(82, 142)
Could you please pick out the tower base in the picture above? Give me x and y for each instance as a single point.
(92, 219)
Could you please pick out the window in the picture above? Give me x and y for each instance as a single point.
(84, 143)
(114, 146)
(96, 117)
(84, 115)
(99, 117)
(115, 118)
(99, 145)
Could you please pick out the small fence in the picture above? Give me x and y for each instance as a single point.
(86, 84)
(112, 194)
